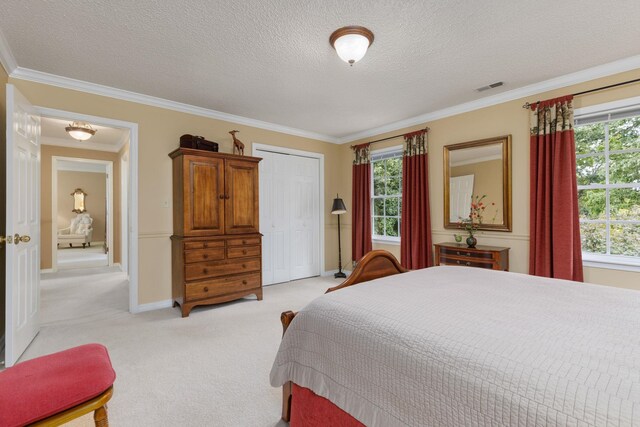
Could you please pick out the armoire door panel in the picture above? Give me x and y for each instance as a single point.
(241, 197)
(205, 198)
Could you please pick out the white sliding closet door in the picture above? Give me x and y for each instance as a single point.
(289, 217)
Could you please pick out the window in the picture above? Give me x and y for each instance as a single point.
(608, 172)
(386, 202)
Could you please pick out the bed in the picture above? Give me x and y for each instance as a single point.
(459, 346)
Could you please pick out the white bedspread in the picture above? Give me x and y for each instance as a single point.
(456, 346)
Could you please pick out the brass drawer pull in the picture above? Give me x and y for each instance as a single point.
(205, 271)
(205, 256)
(244, 251)
(468, 253)
(244, 282)
(458, 253)
(244, 265)
(458, 261)
(468, 264)
(206, 289)
(244, 242)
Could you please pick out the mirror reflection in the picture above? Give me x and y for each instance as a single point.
(478, 171)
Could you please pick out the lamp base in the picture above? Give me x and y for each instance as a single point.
(340, 275)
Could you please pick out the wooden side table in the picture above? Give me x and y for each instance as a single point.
(492, 257)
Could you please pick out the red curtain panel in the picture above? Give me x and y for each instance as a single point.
(415, 224)
(554, 247)
(361, 203)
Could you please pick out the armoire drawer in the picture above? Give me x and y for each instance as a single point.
(221, 286)
(243, 241)
(199, 255)
(202, 270)
(204, 244)
(243, 251)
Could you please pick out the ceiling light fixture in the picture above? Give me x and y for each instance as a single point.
(80, 131)
(351, 43)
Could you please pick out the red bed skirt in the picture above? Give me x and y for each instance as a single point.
(311, 410)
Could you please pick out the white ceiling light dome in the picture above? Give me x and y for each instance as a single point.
(351, 43)
(80, 131)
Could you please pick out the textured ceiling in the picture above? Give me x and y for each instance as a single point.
(271, 60)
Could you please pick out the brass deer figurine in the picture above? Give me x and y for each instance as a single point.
(237, 144)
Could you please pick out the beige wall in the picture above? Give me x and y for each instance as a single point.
(159, 132)
(95, 185)
(46, 182)
(502, 119)
(487, 179)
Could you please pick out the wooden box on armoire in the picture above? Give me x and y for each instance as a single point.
(216, 247)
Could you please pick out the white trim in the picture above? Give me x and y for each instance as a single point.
(6, 57)
(615, 67)
(59, 142)
(282, 150)
(380, 241)
(620, 104)
(150, 306)
(398, 148)
(125, 95)
(46, 270)
(54, 204)
(132, 241)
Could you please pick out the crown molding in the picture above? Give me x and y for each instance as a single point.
(604, 70)
(6, 57)
(125, 95)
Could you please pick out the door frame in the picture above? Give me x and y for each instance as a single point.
(132, 240)
(54, 205)
(255, 147)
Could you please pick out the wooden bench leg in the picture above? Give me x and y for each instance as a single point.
(100, 417)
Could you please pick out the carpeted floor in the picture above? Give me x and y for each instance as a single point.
(210, 369)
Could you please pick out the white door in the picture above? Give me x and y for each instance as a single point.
(274, 217)
(305, 218)
(23, 225)
(460, 192)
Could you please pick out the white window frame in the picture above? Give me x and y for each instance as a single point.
(399, 150)
(617, 262)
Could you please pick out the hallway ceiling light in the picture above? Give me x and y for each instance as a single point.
(80, 131)
(351, 43)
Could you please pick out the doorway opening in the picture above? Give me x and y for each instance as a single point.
(105, 170)
(82, 193)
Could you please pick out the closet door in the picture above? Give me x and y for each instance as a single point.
(274, 217)
(305, 217)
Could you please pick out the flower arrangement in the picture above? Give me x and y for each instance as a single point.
(476, 215)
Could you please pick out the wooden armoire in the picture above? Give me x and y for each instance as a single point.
(216, 245)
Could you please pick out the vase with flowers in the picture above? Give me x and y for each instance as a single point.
(474, 220)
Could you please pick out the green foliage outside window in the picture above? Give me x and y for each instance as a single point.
(387, 196)
(608, 174)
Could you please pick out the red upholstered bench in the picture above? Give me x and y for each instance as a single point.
(54, 389)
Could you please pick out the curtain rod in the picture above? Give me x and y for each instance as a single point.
(391, 137)
(528, 105)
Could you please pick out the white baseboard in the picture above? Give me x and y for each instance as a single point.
(158, 305)
(332, 272)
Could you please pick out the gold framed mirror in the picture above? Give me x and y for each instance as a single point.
(475, 169)
(78, 200)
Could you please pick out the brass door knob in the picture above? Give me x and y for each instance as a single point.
(18, 238)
